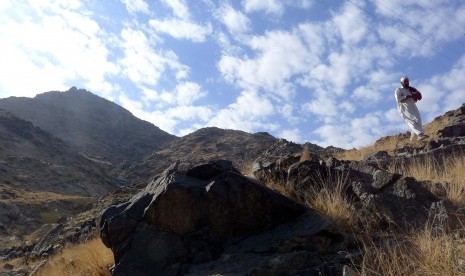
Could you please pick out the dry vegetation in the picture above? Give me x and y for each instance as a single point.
(418, 252)
(390, 143)
(447, 170)
(328, 198)
(414, 252)
(90, 258)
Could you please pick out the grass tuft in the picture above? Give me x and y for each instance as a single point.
(328, 196)
(90, 258)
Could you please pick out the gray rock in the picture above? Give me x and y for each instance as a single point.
(382, 178)
(189, 212)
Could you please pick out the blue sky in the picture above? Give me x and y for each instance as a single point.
(305, 70)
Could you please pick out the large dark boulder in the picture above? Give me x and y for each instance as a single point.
(199, 214)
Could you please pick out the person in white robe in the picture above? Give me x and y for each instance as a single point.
(406, 98)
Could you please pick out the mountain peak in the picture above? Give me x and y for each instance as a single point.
(89, 123)
(73, 89)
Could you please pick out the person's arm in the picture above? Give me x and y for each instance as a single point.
(400, 97)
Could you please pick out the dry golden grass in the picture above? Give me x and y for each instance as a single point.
(432, 128)
(90, 258)
(328, 197)
(306, 155)
(420, 253)
(449, 170)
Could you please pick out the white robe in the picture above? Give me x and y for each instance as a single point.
(409, 110)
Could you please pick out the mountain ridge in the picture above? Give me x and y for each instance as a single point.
(92, 125)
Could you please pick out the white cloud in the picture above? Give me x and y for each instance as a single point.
(315, 37)
(184, 94)
(135, 6)
(248, 113)
(443, 92)
(181, 26)
(337, 72)
(5, 4)
(356, 133)
(414, 37)
(368, 94)
(351, 24)
(287, 110)
(234, 20)
(279, 56)
(52, 46)
(188, 92)
(167, 119)
(55, 6)
(347, 106)
(393, 115)
(182, 29)
(179, 7)
(190, 113)
(332, 135)
(142, 64)
(268, 6)
(323, 106)
(293, 135)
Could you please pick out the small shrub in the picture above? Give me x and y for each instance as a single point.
(90, 258)
(328, 196)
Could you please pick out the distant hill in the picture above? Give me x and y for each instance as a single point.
(42, 179)
(33, 159)
(205, 144)
(210, 143)
(90, 124)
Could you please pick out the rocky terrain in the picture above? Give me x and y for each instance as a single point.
(52, 174)
(41, 180)
(214, 202)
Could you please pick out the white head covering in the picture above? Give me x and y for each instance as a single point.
(404, 78)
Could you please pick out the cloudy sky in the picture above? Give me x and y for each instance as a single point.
(322, 71)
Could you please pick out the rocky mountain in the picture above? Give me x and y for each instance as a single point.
(210, 202)
(90, 124)
(42, 179)
(204, 144)
(135, 150)
(211, 143)
(209, 219)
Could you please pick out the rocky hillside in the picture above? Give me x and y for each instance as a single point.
(42, 179)
(209, 219)
(90, 124)
(196, 205)
(134, 150)
(211, 143)
(204, 144)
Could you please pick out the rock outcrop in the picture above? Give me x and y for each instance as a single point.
(393, 199)
(209, 219)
